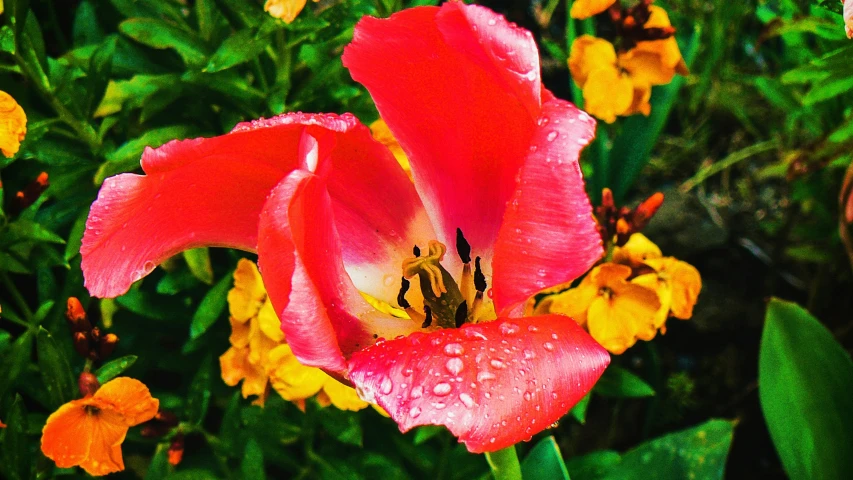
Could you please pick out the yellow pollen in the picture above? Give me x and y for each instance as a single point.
(428, 265)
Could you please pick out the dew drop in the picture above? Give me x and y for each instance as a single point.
(417, 392)
(466, 400)
(454, 349)
(441, 389)
(414, 412)
(492, 22)
(439, 405)
(529, 354)
(552, 136)
(532, 328)
(508, 328)
(531, 75)
(454, 366)
(549, 346)
(386, 386)
(485, 376)
(497, 364)
(528, 396)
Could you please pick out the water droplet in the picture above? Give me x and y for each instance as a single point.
(548, 346)
(528, 396)
(492, 440)
(582, 141)
(414, 412)
(466, 400)
(554, 336)
(552, 136)
(497, 364)
(533, 148)
(492, 22)
(454, 366)
(507, 328)
(532, 328)
(436, 341)
(529, 354)
(389, 280)
(417, 392)
(407, 372)
(554, 395)
(531, 75)
(386, 386)
(485, 375)
(439, 405)
(454, 349)
(441, 389)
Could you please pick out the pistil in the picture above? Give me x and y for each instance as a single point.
(440, 291)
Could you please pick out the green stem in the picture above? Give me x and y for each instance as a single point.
(16, 296)
(504, 464)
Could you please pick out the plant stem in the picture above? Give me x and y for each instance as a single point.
(16, 296)
(504, 464)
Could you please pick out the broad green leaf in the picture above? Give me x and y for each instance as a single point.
(804, 382)
(159, 467)
(23, 230)
(828, 88)
(198, 259)
(618, 382)
(17, 462)
(698, 452)
(252, 466)
(161, 34)
(578, 412)
(54, 369)
(15, 361)
(98, 75)
(211, 307)
(75, 237)
(343, 425)
(424, 433)
(114, 368)
(544, 462)
(198, 398)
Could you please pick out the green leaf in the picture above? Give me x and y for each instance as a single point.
(114, 368)
(198, 398)
(618, 382)
(698, 452)
(55, 370)
(830, 5)
(159, 467)
(198, 259)
(15, 361)
(162, 35)
(239, 48)
(544, 462)
(424, 433)
(16, 451)
(578, 412)
(75, 237)
(98, 75)
(827, 89)
(252, 466)
(804, 382)
(343, 425)
(211, 307)
(23, 230)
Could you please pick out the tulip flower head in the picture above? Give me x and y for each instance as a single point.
(410, 290)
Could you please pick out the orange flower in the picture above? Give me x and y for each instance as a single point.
(286, 10)
(586, 8)
(13, 125)
(88, 432)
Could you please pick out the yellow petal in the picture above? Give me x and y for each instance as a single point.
(286, 10)
(640, 103)
(646, 67)
(653, 282)
(608, 328)
(667, 49)
(382, 134)
(590, 53)
(13, 125)
(636, 250)
(291, 379)
(130, 398)
(269, 323)
(245, 298)
(684, 281)
(574, 302)
(607, 93)
(586, 8)
(342, 396)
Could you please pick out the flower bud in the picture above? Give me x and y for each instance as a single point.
(88, 384)
(176, 450)
(107, 345)
(81, 344)
(76, 315)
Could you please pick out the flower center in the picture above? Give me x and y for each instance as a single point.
(446, 303)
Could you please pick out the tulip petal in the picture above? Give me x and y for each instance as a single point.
(491, 384)
(459, 87)
(548, 236)
(324, 318)
(211, 191)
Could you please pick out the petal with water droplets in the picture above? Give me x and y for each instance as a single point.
(489, 383)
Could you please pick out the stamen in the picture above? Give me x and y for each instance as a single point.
(428, 320)
(416, 251)
(463, 248)
(479, 278)
(438, 287)
(428, 266)
(401, 297)
(461, 314)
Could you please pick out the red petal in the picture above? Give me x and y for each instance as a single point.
(211, 191)
(548, 236)
(492, 384)
(459, 87)
(324, 318)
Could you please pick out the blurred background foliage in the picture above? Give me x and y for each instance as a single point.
(750, 150)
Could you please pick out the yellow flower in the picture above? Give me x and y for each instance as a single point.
(621, 84)
(13, 125)
(259, 356)
(615, 311)
(89, 432)
(382, 134)
(677, 285)
(636, 251)
(586, 8)
(286, 10)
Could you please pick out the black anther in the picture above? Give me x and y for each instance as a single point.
(428, 319)
(461, 314)
(401, 297)
(463, 248)
(479, 278)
